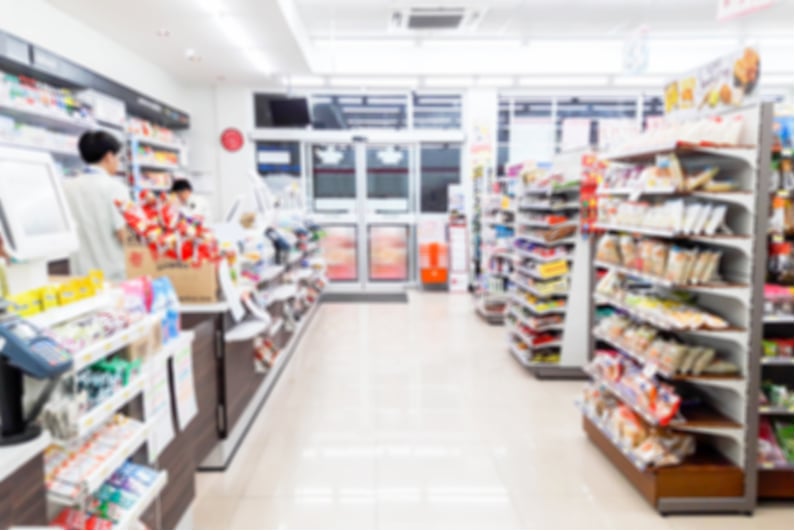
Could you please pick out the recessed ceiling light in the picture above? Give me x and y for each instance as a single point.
(163, 32)
(192, 56)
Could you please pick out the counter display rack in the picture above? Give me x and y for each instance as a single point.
(550, 272)
(678, 311)
(775, 458)
(498, 224)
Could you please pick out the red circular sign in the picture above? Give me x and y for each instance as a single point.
(232, 139)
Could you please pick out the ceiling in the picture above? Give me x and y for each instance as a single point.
(256, 41)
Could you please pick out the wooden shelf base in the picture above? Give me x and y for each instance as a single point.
(706, 474)
(775, 484)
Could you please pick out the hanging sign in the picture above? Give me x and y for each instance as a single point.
(728, 81)
(728, 9)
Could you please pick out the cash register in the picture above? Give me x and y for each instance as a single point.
(25, 350)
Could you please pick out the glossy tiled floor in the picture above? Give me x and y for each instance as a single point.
(414, 416)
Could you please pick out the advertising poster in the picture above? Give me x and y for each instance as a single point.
(728, 81)
(182, 384)
(389, 257)
(157, 409)
(339, 250)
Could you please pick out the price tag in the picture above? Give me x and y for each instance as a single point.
(108, 407)
(108, 347)
(89, 421)
(85, 358)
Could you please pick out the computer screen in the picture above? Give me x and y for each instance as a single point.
(27, 193)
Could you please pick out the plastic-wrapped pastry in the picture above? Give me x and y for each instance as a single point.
(706, 357)
(607, 250)
(628, 253)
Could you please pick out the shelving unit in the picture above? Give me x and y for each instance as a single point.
(141, 165)
(775, 480)
(498, 224)
(549, 269)
(721, 475)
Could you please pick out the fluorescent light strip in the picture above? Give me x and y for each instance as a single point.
(373, 82)
(372, 110)
(471, 43)
(307, 81)
(364, 43)
(448, 81)
(578, 81)
(495, 81)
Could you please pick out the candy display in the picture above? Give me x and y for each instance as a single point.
(543, 288)
(150, 155)
(657, 402)
(146, 129)
(100, 381)
(91, 329)
(778, 300)
(167, 231)
(777, 347)
(29, 94)
(65, 469)
(550, 235)
(661, 310)
(670, 262)
(649, 347)
(775, 444)
(677, 216)
(541, 305)
(780, 263)
(646, 445)
(532, 321)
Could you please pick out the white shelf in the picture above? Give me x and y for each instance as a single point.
(541, 259)
(664, 233)
(532, 274)
(659, 281)
(45, 118)
(130, 518)
(89, 421)
(557, 327)
(14, 456)
(544, 224)
(532, 290)
(276, 327)
(282, 293)
(528, 339)
(68, 312)
(549, 190)
(775, 410)
(206, 307)
(774, 319)
(520, 301)
(777, 361)
(246, 331)
(570, 205)
(117, 341)
(63, 152)
(97, 476)
(271, 272)
(569, 240)
(154, 142)
(155, 165)
(650, 152)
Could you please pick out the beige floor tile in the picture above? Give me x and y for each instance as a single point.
(416, 417)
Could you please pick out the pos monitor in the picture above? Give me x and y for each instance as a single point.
(35, 220)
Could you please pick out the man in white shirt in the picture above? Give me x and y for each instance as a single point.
(190, 204)
(91, 195)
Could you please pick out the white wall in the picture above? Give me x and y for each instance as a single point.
(44, 25)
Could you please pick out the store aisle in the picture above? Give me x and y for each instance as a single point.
(414, 416)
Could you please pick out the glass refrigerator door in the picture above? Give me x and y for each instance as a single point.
(340, 250)
(388, 253)
(388, 179)
(333, 178)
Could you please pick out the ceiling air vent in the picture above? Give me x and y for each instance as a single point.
(434, 19)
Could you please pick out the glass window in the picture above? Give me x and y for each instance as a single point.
(653, 109)
(440, 165)
(279, 158)
(388, 172)
(604, 114)
(437, 111)
(349, 111)
(532, 130)
(503, 133)
(333, 172)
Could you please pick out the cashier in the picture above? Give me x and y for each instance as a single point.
(190, 204)
(91, 196)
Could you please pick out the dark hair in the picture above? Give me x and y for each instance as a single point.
(181, 185)
(94, 145)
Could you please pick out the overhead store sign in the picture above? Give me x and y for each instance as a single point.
(728, 9)
(729, 81)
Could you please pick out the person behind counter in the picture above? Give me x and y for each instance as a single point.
(91, 196)
(189, 203)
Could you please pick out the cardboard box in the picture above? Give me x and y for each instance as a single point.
(193, 284)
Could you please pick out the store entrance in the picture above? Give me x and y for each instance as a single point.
(365, 197)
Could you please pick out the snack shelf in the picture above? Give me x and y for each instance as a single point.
(518, 300)
(104, 411)
(649, 153)
(621, 447)
(276, 327)
(663, 282)
(530, 273)
(115, 342)
(700, 418)
(541, 259)
(657, 322)
(663, 233)
(550, 190)
(44, 118)
(642, 361)
(571, 205)
(776, 319)
(533, 291)
(776, 466)
(156, 142)
(519, 355)
(129, 518)
(528, 339)
(775, 410)
(569, 240)
(60, 314)
(777, 361)
(545, 225)
(557, 327)
(95, 478)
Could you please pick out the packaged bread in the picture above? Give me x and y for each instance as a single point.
(627, 251)
(607, 249)
(706, 357)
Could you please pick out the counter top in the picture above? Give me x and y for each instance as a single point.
(15, 456)
(208, 307)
